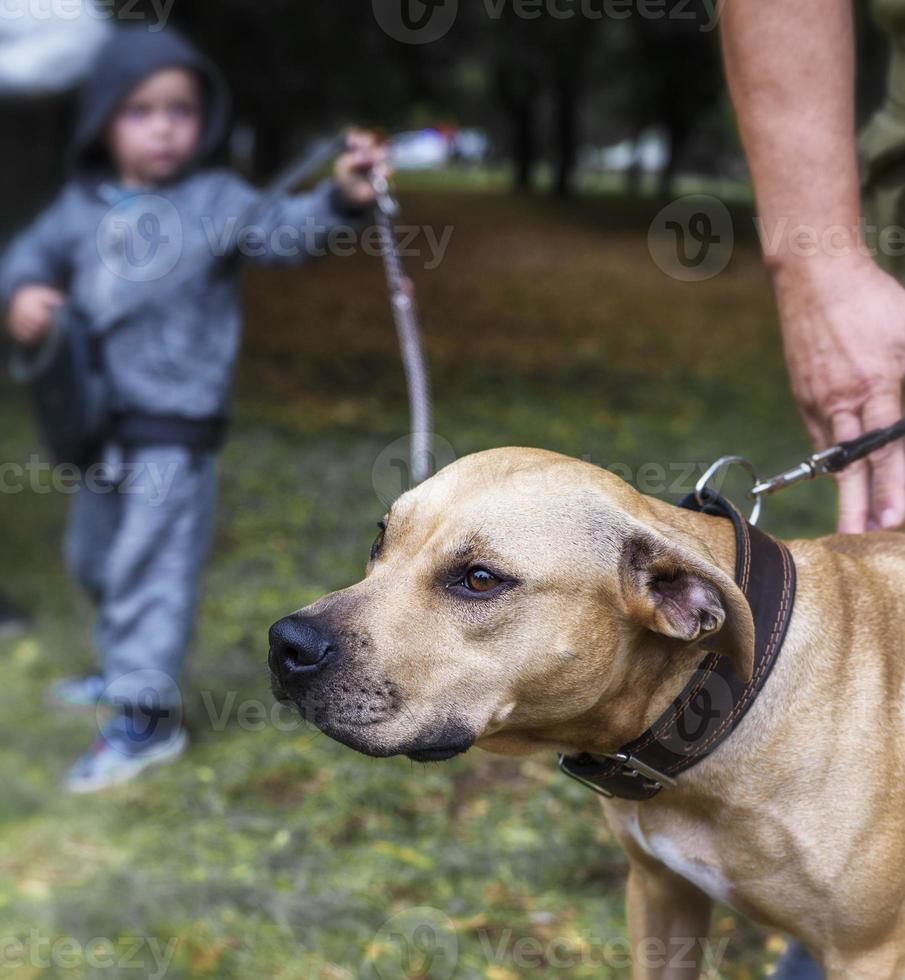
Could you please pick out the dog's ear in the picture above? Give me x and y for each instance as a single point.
(672, 591)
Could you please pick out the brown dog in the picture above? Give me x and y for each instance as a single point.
(498, 610)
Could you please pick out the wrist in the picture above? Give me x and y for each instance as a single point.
(790, 272)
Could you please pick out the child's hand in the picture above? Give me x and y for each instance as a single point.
(30, 312)
(353, 169)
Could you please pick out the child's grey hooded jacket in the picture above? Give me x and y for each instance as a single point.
(157, 270)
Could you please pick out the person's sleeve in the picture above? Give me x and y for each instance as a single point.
(288, 229)
(37, 255)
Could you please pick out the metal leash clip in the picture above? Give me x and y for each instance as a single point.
(724, 462)
(826, 462)
(835, 459)
(818, 464)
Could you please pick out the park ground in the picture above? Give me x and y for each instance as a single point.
(280, 854)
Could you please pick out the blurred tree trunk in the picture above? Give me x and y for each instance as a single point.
(518, 88)
(873, 57)
(570, 44)
(567, 107)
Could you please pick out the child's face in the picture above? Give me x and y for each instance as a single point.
(156, 131)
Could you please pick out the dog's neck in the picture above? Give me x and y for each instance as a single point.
(653, 669)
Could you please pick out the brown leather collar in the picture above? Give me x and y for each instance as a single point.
(714, 701)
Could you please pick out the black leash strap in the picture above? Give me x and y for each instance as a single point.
(849, 452)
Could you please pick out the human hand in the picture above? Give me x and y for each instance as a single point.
(843, 323)
(365, 156)
(31, 311)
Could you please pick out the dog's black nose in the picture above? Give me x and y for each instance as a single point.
(296, 646)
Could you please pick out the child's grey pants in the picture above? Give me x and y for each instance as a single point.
(139, 550)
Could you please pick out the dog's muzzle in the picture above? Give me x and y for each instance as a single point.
(318, 669)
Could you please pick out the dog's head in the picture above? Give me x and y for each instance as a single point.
(512, 600)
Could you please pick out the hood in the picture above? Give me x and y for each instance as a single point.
(130, 56)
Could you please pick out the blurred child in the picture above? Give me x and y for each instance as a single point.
(145, 242)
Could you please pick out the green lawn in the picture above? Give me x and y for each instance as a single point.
(278, 854)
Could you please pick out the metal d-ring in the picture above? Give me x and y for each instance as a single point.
(722, 463)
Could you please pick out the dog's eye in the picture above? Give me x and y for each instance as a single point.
(480, 580)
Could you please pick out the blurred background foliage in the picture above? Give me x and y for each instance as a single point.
(544, 89)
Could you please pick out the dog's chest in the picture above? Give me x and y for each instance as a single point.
(685, 851)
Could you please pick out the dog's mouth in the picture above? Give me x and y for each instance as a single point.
(440, 748)
(362, 739)
(438, 753)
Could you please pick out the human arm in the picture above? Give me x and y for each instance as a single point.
(790, 69)
(33, 273)
(293, 228)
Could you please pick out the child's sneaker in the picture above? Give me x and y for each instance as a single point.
(120, 754)
(76, 693)
(796, 964)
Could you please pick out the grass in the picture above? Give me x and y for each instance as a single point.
(279, 854)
